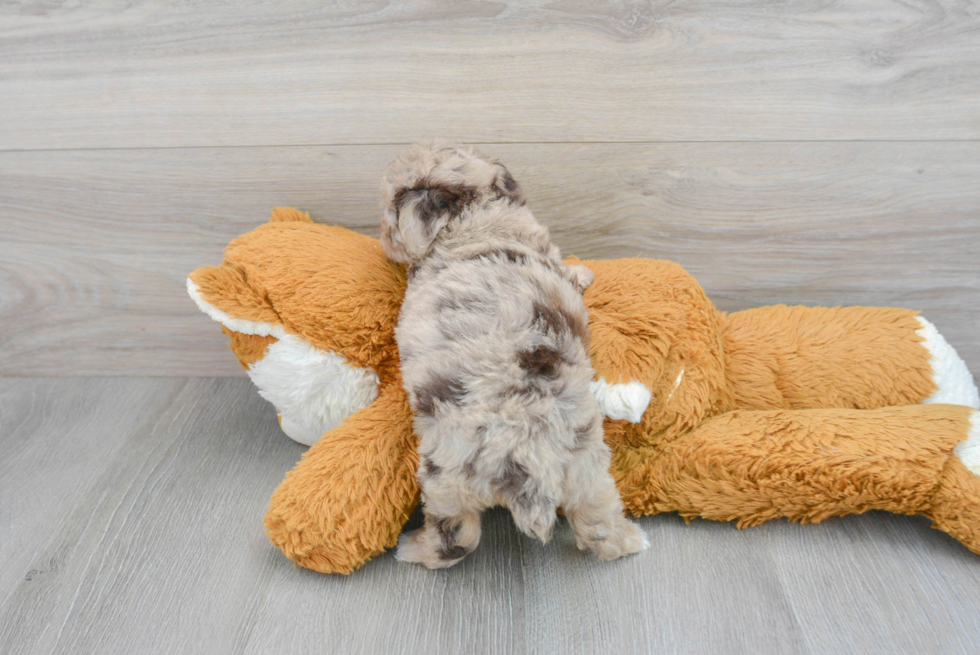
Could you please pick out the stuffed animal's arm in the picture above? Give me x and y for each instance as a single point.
(809, 465)
(349, 496)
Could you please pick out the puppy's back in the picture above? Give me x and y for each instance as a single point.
(495, 362)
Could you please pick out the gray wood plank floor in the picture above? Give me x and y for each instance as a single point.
(131, 520)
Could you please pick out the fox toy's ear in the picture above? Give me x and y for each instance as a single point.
(289, 215)
(227, 295)
(418, 215)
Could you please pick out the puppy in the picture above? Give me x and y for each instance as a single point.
(493, 338)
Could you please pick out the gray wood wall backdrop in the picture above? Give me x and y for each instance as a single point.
(801, 151)
(797, 152)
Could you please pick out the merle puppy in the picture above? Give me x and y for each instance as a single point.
(493, 337)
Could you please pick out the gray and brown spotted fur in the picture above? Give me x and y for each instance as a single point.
(493, 338)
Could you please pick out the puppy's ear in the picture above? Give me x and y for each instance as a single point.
(420, 213)
(506, 186)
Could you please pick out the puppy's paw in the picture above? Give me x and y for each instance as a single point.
(623, 537)
(409, 547)
(416, 548)
(581, 276)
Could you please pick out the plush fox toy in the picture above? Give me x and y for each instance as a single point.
(793, 412)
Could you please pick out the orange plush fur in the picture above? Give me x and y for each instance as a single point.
(792, 412)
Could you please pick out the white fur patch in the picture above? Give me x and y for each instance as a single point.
(621, 401)
(313, 390)
(949, 372)
(969, 450)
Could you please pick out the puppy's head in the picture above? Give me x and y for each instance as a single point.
(431, 184)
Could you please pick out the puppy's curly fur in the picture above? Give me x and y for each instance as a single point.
(493, 338)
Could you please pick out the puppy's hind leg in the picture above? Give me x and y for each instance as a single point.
(451, 530)
(594, 508)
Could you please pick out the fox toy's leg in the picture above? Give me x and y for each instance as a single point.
(784, 357)
(349, 496)
(809, 465)
(955, 506)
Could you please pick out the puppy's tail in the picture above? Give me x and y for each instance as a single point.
(533, 511)
(536, 520)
